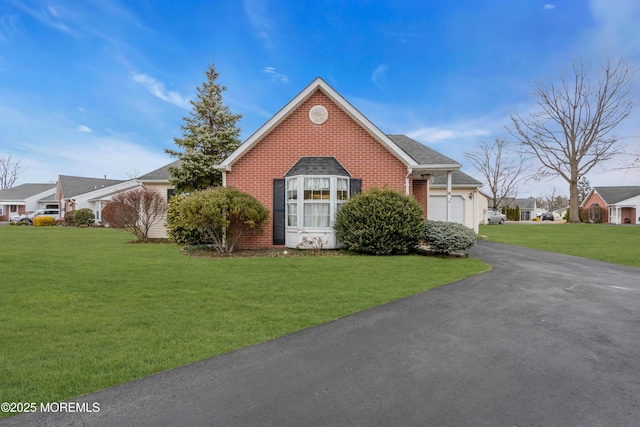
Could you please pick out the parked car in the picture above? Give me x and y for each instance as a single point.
(496, 217)
(547, 216)
(54, 213)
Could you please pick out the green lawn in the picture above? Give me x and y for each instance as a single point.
(619, 244)
(82, 309)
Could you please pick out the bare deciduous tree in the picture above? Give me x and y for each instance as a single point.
(9, 171)
(135, 211)
(574, 130)
(501, 167)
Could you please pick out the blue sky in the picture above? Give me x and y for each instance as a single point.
(100, 87)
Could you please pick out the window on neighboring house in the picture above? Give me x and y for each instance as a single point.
(13, 208)
(170, 194)
(1, 210)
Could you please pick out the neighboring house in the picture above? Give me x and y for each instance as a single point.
(620, 203)
(528, 208)
(315, 153)
(158, 180)
(560, 213)
(468, 205)
(75, 192)
(26, 198)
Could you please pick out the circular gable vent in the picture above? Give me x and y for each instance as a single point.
(318, 114)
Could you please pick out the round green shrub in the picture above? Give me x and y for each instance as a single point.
(83, 216)
(44, 221)
(380, 222)
(446, 237)
(217, 216)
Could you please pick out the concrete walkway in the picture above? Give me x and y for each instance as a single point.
(541, 340)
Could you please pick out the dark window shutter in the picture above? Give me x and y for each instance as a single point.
(170, 194)
(278, 211)
(355, 186)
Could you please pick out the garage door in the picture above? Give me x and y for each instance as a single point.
(438, 208)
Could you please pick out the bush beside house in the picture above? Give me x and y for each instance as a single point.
(217, 216)
(448, 237)
(380, 222)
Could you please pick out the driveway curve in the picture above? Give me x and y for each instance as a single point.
(541, 340)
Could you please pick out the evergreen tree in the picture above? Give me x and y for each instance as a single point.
(209, 135)
(583, 189)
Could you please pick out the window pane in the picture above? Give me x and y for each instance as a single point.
(316, 214)
(292, 214)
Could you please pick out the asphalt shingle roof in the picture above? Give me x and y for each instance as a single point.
(613, 195)
(160, 174)
(457, 178)
(24, 191)
(75, 185)
(317, 166)
(422, 154)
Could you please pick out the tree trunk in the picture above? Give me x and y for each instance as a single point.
(574, 203)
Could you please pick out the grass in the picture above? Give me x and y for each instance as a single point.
(81, 309)
(617, 244)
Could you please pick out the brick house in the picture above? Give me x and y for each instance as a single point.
(316, 152)
(619, 204)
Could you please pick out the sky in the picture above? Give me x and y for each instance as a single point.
(98, 87)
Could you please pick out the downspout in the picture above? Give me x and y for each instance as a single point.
(476, 227)
(449, 196)
(406, 180)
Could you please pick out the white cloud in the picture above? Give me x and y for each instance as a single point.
(84, 129)
(8, 27)
(434, 135)
(378, 76)
(549, 6)
(91, 156)
(616, 29)
(263, 26)
(275, 77)
(157, 89)
(46, 16)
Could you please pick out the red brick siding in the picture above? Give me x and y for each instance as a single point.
(595, 198)
(340, 136)
(420, 193)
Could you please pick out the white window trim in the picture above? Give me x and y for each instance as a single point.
(333, 201)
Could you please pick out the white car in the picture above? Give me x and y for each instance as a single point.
(496, 217)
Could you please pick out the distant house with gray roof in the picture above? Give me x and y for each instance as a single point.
(619, 203)
(528, 207)
(26, 198)
(76, 192)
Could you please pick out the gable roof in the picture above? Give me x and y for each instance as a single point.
(160, 175)
(24, 191)
(458, 179)
(72, 186)
(613, 195)
(389, 142)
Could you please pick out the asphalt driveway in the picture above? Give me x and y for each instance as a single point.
(541, 340)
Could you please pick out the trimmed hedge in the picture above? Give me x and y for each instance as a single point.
(380, 222)
(84, 216)
(44, 221)
(446, 237)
